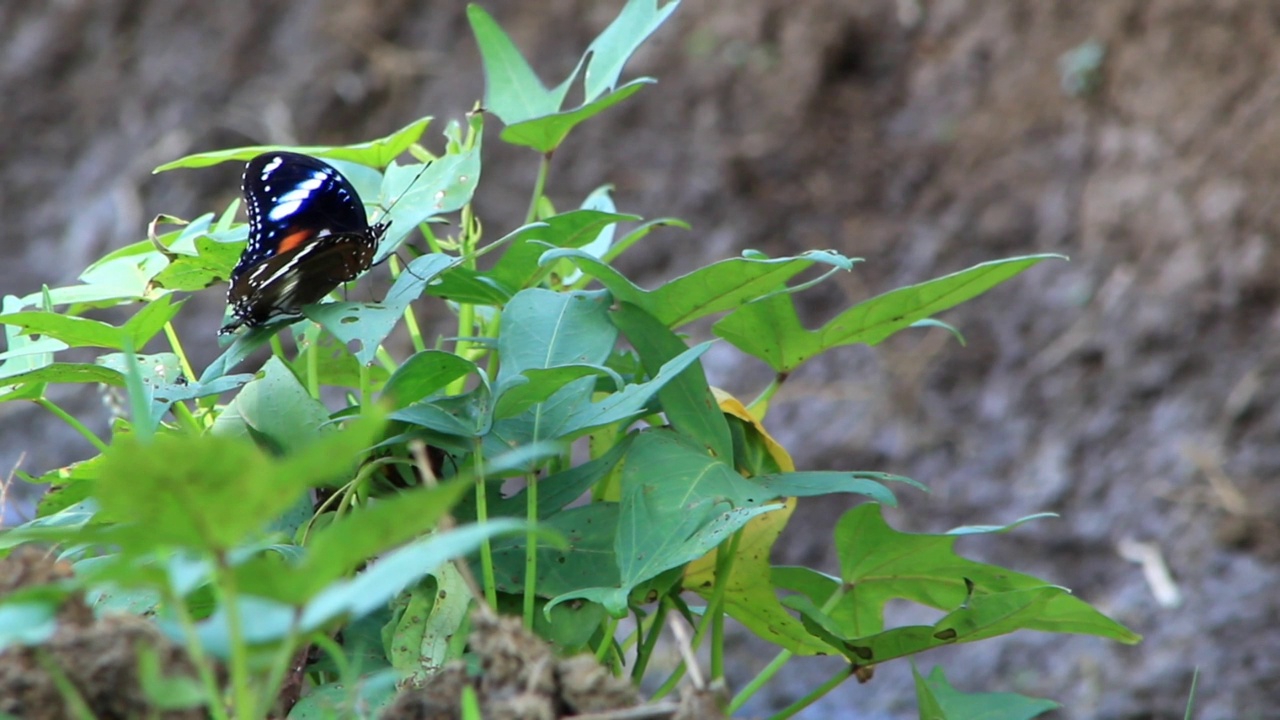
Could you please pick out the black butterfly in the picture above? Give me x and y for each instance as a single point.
(308, 234)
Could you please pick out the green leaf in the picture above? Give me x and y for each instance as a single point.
(415, 194)
(814, 484)
(512, 91)
(519, 266)
(878, 564)
(545, 132)
(686, 400)
(210, 492)
(340, 547)
(277, 409)
(423, 374)
(557, 490)
(677, 504)
(392, 573)
(66, 373)
(770, 329)
(83, 332)
(544, 329)
(454, 420)
(74, 331)
(26, 623)
(368, 324)
(150, 320)
(164, 383)
(715, 288)
(939, 701)
(540, 330)
(872, 321)
(542, 383)
(211, 265)
(344, 699)
(611, 50)
(587, 560)
(105, 284)
(332, 363)
(631, 401)
(375, 153)
(470, 287)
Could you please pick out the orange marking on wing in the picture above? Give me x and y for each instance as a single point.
(294, 240)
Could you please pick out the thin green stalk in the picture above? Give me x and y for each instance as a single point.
(530, 549)
(313, 366)
(241, 690)
(606, 643)
(714, 608)
(277, 348)
(760, 405)
(176, 346)
(462, 346)
(410, 320)
(71, 697)
(384, 358)
(831, 684)
(544, 168)
(759, 681)
(195, 650)
(725, 557)
(183, 413)
(281, 662)
(777, 663)
(645, 652)
(482, 516)
(366, 388)
(75, 424)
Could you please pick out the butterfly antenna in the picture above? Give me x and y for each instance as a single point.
(387, 210)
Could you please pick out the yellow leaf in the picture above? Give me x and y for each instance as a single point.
(750, 598)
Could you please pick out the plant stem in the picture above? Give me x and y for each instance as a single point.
(530, 549)
(281, 662)
(804, 702)
(645, 651)
(410, 320)
(384, 358)
(482, 516)
(245, 705)
(715, 606)
(724, 568)
(183, 413)
(760, 405)
(606, 643)
(176, 345)
(313, 365)
(462, 346)
(777, 663)
(539, 185)
(195, 650)
(366, 389)
(75, 424)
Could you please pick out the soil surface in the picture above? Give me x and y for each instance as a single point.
(1126, 390)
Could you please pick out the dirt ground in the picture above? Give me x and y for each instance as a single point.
(1126, 390)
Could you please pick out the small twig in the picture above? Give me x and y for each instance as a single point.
(686, 650)
(1154, 570)
(656, 711)
(1224, 488)
(419, 451)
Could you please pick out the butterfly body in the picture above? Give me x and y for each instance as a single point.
(308, 234)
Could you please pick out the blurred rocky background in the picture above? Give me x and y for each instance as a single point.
(1131, 390)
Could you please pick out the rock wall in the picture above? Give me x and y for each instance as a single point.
(1127, 390)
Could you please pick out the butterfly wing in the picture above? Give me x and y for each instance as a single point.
(308, 233)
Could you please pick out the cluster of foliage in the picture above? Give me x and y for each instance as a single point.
(200, 510)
